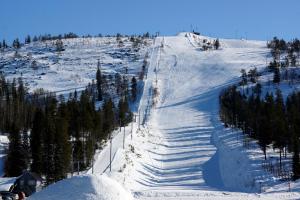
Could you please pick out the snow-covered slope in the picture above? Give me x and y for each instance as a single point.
(181, 150)
(176, 154)
(41, 66)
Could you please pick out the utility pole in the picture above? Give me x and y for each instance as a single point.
(156, 76)
(72, 165)
(78, 167)
(289, 182)
(72, 143)
(260, 186)
(139, 119)
(93, 165)
(131, 128)
(124, 138)
(93, 143)
(110, 153)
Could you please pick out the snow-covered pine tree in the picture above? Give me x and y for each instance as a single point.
(99, 81)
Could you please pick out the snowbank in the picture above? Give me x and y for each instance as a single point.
(236, 170)
(6, 183)
(86, 187)
(4, 141)
(240, 163)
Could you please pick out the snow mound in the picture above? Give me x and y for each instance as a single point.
(85, 187)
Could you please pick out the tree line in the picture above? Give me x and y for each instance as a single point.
(271, 120)
(285, 55)
(54, 136)
(16, 44)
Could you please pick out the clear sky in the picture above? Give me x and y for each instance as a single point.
(254, 19)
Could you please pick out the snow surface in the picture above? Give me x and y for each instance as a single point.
(6, 183)
(182, 150)
(86, 187)
(74, 68)
(4, 141)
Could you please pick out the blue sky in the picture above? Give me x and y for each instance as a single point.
(254, 19)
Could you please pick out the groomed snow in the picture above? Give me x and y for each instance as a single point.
(182, 150)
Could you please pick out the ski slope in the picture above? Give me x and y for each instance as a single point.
(177, 148)
(176, 153)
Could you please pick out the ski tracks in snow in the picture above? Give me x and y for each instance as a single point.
(184, 133)
(179, 159)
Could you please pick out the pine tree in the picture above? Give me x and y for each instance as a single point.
(62, 149)
(118, 83)
(36, 141)
(257, 90)
(217, 44)
(48, 140)
(293, 60)
(122, 112)
(133, 89)
(266, 123)
(87, 125)
(280, 129)
(28, 39)
(276, 77)
(35, 39)
(99, 82)
(124, 86)
(75, 131)
(16, 44)
(296, 160)
(26, 147)
(244, 77)
(16, 161)
(98, 126)
(109, 116)
(4, 45)
(59, 45)
(253, 74)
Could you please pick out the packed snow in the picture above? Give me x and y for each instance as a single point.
(85, 187)
(182, 150)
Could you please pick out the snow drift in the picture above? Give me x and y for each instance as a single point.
(86, 187)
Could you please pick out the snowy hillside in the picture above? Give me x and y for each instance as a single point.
(179, 149)
(182, 150)
(41, 66)
(181, 126)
